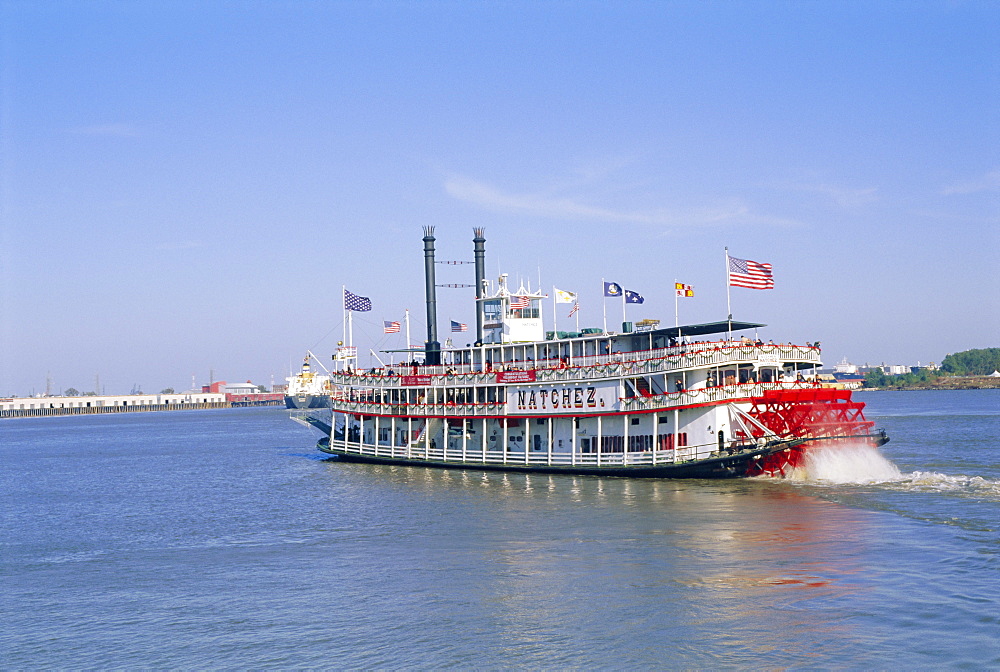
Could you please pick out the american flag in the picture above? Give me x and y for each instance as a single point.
(576, 307)
(354, 302)
(519, 302)
(390, 327)
(459, 326)
(750, 274)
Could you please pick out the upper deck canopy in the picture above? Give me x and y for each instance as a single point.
(703, 329)
(668, 332)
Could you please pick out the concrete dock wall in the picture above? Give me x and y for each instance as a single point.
(95, 410)
(34, 407)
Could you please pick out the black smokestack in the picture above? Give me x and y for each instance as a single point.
(480, 249)
(432, 348)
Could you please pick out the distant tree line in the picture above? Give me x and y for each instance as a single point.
(980, 362)
(878, 378)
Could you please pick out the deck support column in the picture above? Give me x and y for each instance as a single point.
(676, 435)
(550, 441)
(505, 440)
(656, 435)
(361, 434)
(600, 439)
(527, 441)
(626, 422)
(574, 429)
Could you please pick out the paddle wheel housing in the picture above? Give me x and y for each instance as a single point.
(814, 415)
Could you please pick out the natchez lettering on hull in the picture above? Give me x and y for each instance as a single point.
(562, 398)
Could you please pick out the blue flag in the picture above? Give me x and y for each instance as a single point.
(632, 297)
(612, 289)
(354, 302)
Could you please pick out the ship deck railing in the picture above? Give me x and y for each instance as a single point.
(590, 367)
(420, 451)
(683, 398)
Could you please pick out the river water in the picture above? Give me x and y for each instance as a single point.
(222, 539)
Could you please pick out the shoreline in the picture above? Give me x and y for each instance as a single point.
(963, 383)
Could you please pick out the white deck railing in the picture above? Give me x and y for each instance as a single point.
(594, 367)
(475, 455)
(705, 395)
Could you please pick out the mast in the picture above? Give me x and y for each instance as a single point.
(432, 348)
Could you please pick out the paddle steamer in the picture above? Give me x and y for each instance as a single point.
(701, 401)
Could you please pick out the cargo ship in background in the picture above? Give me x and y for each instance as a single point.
(848, 375)
(694, 401)
(307, 389)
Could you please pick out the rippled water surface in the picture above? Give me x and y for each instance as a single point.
(222, 539)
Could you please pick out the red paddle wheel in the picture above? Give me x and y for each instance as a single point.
(818, 414)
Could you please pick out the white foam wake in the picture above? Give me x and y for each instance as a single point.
(863, 464)
(846, 464)
(927, 481)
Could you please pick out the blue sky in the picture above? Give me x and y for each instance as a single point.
(186, 186)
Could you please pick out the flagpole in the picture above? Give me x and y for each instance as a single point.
(624, 319)
(407, 319)
(604, 305)
(555, 309)
(677, 319)
(729, 305)
(577, 316)
(343, 295)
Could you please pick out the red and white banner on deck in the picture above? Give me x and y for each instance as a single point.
(515, 376)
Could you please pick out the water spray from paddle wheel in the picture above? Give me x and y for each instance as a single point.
(820, 416)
